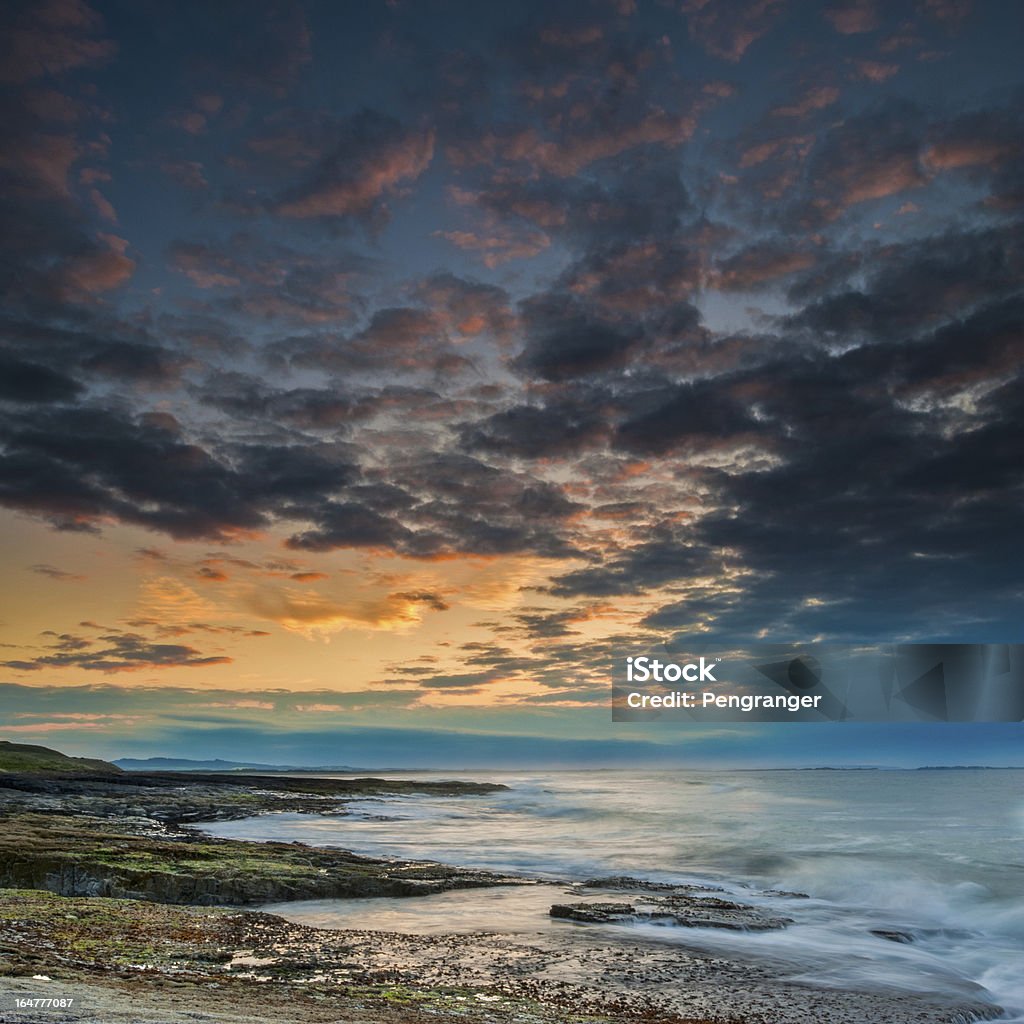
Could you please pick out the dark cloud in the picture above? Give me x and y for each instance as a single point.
(403, 338)
(531, 432)
(83, 465)
(487, 511)
(911, 287)
(901, 502)
(396, 340)
(51, 571)
(566, 341)
(542, 624)
(642, 195)
(667, 555)
(495, 656)
(250, 276)
(704, 414)
(350, 525)
(719, 301)
(433, 600)
(53, 334)
(459, 682)
(115, 652)
(292, 473)
(246, 397)
(446, 503)
(28, 382)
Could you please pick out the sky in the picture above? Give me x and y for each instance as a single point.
(375, 377)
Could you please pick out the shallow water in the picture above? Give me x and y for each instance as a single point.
(934, 854)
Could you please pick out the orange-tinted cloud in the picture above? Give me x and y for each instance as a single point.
(499, 247)
(757, 265)
(853, 16)
(344, 186)
(727, 28)
(312, 613)
(875, 70)
(816, 98)
(51, 38)
(571, 151)
(40, 164)
(102, 270)
(955, 153)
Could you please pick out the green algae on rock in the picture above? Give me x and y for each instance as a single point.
(85, 856)
(121, 836)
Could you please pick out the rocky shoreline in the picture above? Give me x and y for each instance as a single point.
(127, 837)
(109, 897)
(177, 798)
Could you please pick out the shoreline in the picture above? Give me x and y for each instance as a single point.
(179, 946)
(193, 963)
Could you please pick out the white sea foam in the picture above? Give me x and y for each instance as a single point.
(935, 856)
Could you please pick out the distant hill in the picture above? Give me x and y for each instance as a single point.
(183, 764)
(25, 757)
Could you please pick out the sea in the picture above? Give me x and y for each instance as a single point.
(934, 857)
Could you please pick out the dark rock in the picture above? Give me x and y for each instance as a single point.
(679, 909)
(600, 913)
(627, 882)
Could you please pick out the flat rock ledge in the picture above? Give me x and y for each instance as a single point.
(682, 909)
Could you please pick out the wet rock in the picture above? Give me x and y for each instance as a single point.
(678, 909)
(892, 935)
(627, 882)
(598, 913)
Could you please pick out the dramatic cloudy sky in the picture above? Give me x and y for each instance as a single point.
(402, 365)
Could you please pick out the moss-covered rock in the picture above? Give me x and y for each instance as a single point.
(121, 836)
(83, 856)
